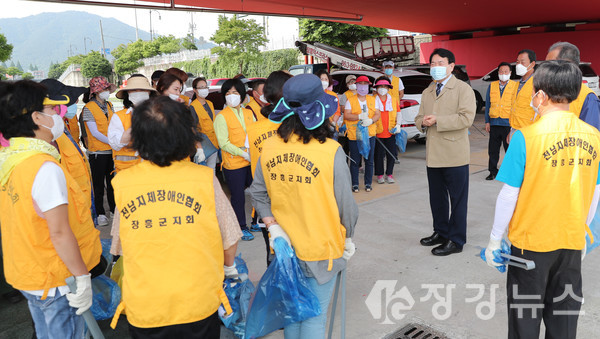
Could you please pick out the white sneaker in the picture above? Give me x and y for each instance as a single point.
(390, 179)
(102, 220)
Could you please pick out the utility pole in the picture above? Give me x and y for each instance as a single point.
(137, 33)
(102, 35)
(192, 25)
(151, 37)
(85, 45)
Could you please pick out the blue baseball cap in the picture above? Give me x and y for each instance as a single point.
(304, 95)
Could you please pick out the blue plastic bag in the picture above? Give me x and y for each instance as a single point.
(595, 228)
(401, 140)
(282, 297)
(106, 250)
(239, 294)
(107, 296)
(504, 248)
(362, 138)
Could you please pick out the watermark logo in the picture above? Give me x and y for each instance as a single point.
(384, 301)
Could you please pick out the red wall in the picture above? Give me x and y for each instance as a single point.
(482, 54)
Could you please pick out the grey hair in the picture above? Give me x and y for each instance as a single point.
(559, 79)
(568, 51)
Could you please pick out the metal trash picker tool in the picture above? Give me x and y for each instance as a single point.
(87, 315)
(512, 260)
(340, 280)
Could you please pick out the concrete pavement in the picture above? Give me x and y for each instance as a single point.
(458, 295)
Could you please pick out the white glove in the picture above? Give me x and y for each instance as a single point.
(199, 157)
(83, 296)
(275, 231)
(230, 271)
(246, 156)
(367, 122)
(396, 129)
(489, 252)
(349, 249)
(363, 116)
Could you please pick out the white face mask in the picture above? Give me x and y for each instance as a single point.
(504, 77)
(137, 98)
(536, 109)
(104, 95)
(174, 97)
(325, 84)
(203, 93)
(352, 87)
(58, 128)
(521, 70)
(382, 91)
(262, 98)
(233, 100)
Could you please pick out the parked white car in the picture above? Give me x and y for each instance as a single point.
(414, 84)
(590, 78)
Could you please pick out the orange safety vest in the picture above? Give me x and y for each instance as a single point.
(561, 170)
(205, 122)
(500, 106)
(73, 127)
(299, 181)
(95, 145)
(237, 137)
(258, 133)
(125, 151)
(255, 108)
(521, 114)
(356, 109)
(576, 105)
(392, 116)
(30, 259)
(173, 252)
(75, 164)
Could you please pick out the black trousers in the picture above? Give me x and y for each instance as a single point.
(449, 216)
(552, 292)
(381, 154)
(209, 328)
(237, 181)
(102, 166)
(498, 136)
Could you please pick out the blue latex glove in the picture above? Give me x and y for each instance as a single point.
(504, 248)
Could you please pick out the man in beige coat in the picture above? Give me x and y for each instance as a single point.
(447, 110)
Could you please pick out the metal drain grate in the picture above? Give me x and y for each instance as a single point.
(416, 331)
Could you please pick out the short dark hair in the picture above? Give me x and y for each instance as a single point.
(165, 81)
(257, 83)
(183, 76)
(530, 54)
(157, 74)
(504, 63)
(162, 132)
(324, 71)
(126, 102)
(273, 90)
(235, 83)
(17, 101)
(559, 79)
(194, 83)
(568, 51)
(443, 53)
(293, 126)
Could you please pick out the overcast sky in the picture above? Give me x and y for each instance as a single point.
(170, 22)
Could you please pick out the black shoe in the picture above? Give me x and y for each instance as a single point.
(434, 239)
(490, 177)
(447, 248)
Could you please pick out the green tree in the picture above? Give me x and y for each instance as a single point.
(56, 70)
(27, 76)
(188, 42)
(5, 49)
(19, 66)
(2, 72)
(94, 64)
(13, 71)
(239, 41)
(129, 58)
(167, 44)
(337, 34)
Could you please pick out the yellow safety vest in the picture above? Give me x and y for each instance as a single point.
(299, 181)
(125, 151)
(237, 136)
(561, 170)
(394, 91)
(500, 106)
(30, 259)
(356, 109)
(255, 108)
(577, 104)
(185, 98)
(205, 122)
(76, 164)
(392, 116)
(95, 145)
(172, 245)
(521, 114)
(73, 127)
(258, 133)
